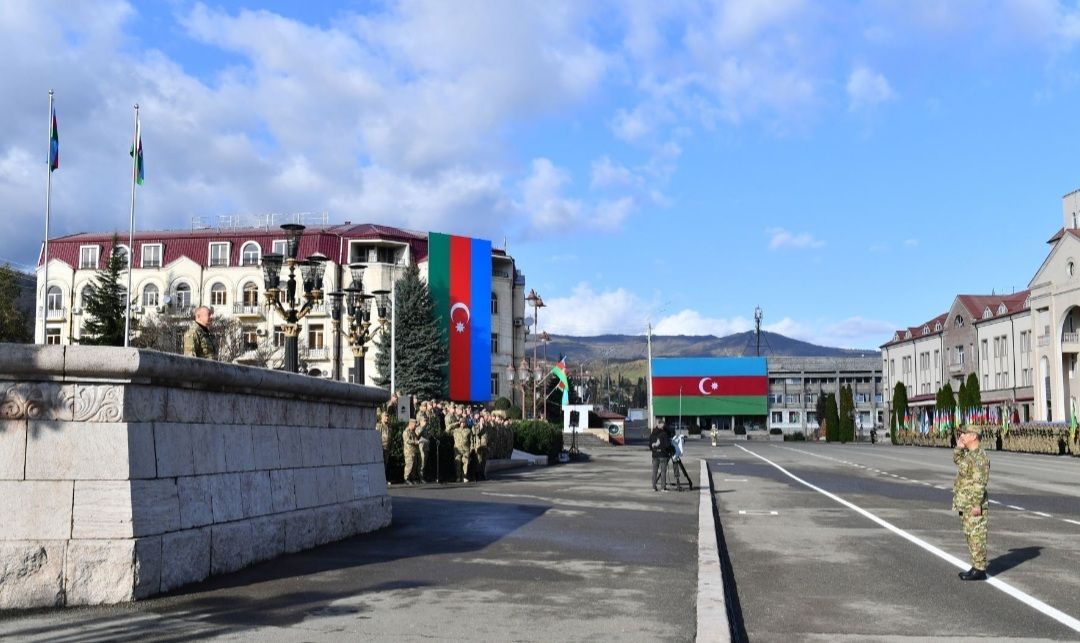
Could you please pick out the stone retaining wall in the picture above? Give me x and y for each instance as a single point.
(125, 473)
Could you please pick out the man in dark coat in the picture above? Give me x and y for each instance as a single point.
(660, 445)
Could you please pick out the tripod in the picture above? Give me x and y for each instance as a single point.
(676, 464)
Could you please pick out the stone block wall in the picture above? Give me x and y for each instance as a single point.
(125, 473)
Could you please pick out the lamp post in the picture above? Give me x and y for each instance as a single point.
(537, 302)
(386, 305)
(291, 308)
(335, 323)
(359, 329)
(524, 374)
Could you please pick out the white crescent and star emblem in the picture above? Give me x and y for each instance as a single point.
(459, 326)
(707, 382)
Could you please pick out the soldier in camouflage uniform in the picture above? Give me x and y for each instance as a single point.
(479, 446)
(198, 340)
(410, 439)
(462, 441)
(970, 499)
(383, 427)
(425, 424)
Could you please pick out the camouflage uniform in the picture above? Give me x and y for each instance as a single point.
(199, 342)
(462, 439)
(411, 443)
(479, 447)
(425, 422)
(969, 491)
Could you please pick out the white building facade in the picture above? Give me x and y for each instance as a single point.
(177, 271)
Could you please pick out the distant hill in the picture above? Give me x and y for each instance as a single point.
(627, 348)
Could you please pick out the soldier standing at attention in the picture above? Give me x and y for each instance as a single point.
(462, 435)
(411, 442)
(198, 340)
(479, 446)
(969, 497)
(425, 425)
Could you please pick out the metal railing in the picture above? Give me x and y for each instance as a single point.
(249, 310)
(318, 353)
(1070, 338)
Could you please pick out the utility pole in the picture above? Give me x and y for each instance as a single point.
(757, 327)
(648, 377)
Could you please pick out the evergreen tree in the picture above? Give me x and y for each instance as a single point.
(832, 418)
(847, 414)
(900, 405)
(821, 410)
(421, 348)
(945, 400)
(105, 302)
(963, 398)
(973, 392)
(12, 320)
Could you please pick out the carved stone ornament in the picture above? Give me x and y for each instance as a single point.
(99, 404)
(32, 401)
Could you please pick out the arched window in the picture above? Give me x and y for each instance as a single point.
(182, 300)
(218, 294)
(494, 304)
(251, 295)
(150, 295)
(249, 254)
(85, 294)
(125, 254)
(54, 299)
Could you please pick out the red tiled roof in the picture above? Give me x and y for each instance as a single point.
(195, 244)
(1057, 235)
(916, 331)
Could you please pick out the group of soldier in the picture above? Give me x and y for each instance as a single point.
(470, 427)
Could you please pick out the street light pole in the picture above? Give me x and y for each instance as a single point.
(311, 272)
(537, 303)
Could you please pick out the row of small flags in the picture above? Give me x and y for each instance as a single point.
(135, 152)
(942, 421)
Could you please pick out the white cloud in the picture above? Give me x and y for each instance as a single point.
(552, 212)
(691, 322)
(781, 238)
(606, 173)
(867, 88)
(586, 312)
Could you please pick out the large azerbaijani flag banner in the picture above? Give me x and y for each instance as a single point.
(710, 386)
(459, 277)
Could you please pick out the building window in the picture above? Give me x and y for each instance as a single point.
(124, 254)
(811, 398)
(251, 338)
(776, 398)
(777, 417)
(218, 294)
(494, 304)
(279, 336)
(494, 343)
(150, 296)
(88, 257)
(315, 336)
(54, 299)
(793, 417)
(219, 253)
(251, 295)
(279, 246)
(960, 355)
(86, 294)
(494, 385)
(811, 417)
(182, 298)
(249, 254)
(52, 336)
(151, 255)
(862, 398)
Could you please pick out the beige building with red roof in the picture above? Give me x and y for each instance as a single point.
(1023, 346)
(221, 267)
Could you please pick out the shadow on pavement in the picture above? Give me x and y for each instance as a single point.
(1014, 558)
(295, 587)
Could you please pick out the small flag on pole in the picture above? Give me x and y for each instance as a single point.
(136, 153)
(564, 384)
(54, 145)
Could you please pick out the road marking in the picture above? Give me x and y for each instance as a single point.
(722, 463)
(944, 488)
(1023, 597)
(1072, 521)
(734, 479)
(758, 512)
(995, 502)
(1016, 508)
(1039, 513)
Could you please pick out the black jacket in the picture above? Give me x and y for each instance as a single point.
(660, 443)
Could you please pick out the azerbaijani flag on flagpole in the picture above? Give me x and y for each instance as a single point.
(564, 384)
(459, 277)
(54, 144)
(710, 386)
(136, 153)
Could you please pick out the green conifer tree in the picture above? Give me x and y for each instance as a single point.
(847, 414)
(105, 302)
(832, 418)
(900, 404)
(421, 347)
(973, 393)
(12, 320)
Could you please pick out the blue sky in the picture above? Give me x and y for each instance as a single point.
(847, 166)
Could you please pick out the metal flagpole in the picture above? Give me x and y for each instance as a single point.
(648, 379)
(131, 228)
(45, 251)
(393, 330)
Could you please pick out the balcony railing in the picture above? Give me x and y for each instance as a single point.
(318, 353)
(1043, 340)
(54, 313)
(318, 309)
(1070, 338)
(956, 368)
(246, 310)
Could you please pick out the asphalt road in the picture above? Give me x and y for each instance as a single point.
(577, 552)
(808, 567)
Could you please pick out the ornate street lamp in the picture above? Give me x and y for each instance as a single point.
(386, 306)
(335, 323)
(359, 329)
(537, 303)
(285, 302)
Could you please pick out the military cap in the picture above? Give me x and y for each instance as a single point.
(972, 428)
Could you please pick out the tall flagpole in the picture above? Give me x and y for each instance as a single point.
(131, 227)
(48, 209)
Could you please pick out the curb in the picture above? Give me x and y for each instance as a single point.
(712, 608)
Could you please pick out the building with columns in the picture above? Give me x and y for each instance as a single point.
(221, 267)
(1023, 346)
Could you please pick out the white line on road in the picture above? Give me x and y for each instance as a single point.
(995, 502)
(1039, 513)
(1072, 521)
(734, 479)
(1023, 597)
(1016, 508)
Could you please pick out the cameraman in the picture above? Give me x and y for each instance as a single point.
(660, 445)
